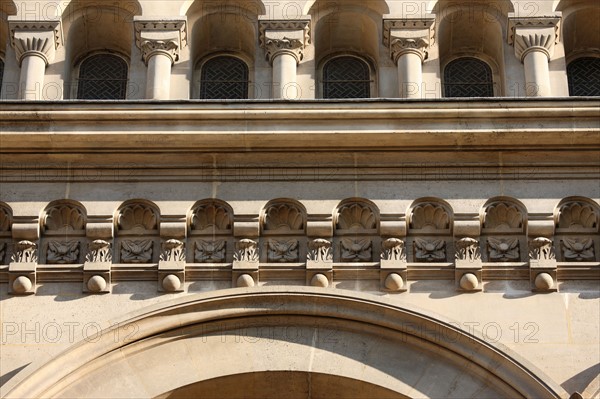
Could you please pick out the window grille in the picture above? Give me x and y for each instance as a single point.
(224, 78)
(346, 77)
(102, 77)
(468, 77)
(584, 77)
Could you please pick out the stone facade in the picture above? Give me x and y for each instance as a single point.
(408, 243)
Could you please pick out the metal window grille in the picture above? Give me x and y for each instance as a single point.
(1, 73)
(102, 77)
(468, 77)
(346, 77)
(224, 78)
(584, 77)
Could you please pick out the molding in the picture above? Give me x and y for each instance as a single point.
(36, 38)
(279, 37)
(162, 36)
(403, 36)
(534, 34)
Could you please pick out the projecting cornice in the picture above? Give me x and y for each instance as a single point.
(534, 34)
(284, 37)
(407, 35)
(160, 36)
(39, 38)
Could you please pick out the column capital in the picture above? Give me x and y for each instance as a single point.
(284, 37)
(37, 38)
(533, 34)
(160, 36)
(408, 35)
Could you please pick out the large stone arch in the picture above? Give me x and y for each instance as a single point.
(206, 343)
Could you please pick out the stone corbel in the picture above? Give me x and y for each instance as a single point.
(164, 36)
(35, 38)
(402, 36)
(284, 37)
(534, 34)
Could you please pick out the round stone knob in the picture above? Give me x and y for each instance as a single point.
(393, 282)
(171, 283)
(96, 283)
(469, 282)
(245, 280)
(319, 280)
(544, 281)
(21, 285)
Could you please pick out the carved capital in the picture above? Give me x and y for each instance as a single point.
(534, 34)
(404, 36)
(284, 37)
(35, 38)
(164, 36)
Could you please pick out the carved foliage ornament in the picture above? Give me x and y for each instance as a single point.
(503, 249)
(467, 249)
(356, 216)
(136, 251)
(320, 250)
(430, 217)
(503, 217)
(393, 249)
(430, 250)
(211, 216)
(25, 252)
(283, 251)
(283, 218)
(246, 251)
(578, 249)
(64, 218)
(173, 251)
(541, 248)
(62, 252)
(138, 217)
(356, 250)
(575, 215)
(210, 251)
(99, 251)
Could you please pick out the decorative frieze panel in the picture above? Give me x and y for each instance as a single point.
(136, 251)
(541, 249)
(356, 216)
(138, 218)
(99, 251)
(430, 217)
(577, 216)
(430, 250)
(578, 249)
(283, 218)
(503, 249)
(320, 251)
(467, 251)
(62, 252)
(356, 250)
(207, 251)
(173, 251)
(394, 249)
(211, 218)
(246, 251)
(25, 252)
(503, 217)
(282, 250)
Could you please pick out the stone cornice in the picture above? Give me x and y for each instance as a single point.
(534, 34)
(284, 26)
(38, 38)
(404, 36)
(160, 36)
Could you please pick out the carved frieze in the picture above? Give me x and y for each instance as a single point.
(210, 251)
(282, 250)
(503, 249)
(99, 252)
(211, 216)
(394, 249)
(25, 252)
(356, 216)
(541, 249)
(467, 250)
(429, 217)
(355, 250)
(503, 217)
(62, 252)
(430, 250)
(576, 216)
(578, 249)
(246, 251)
(173, 251)
(136, 251)
(137, 217)
(320, 250)
(64, 218)
(283, 218)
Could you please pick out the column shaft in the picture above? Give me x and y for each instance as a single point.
(284, 77)
(410, 75)
(158, 85)
(537, 75)
(33, 68)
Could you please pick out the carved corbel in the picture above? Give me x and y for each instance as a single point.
(35, 38)
(404, 36)
(284, 37)
(164, 36)
(534, 34)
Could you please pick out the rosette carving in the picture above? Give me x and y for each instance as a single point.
(210, 251)
(503, 249)
(283, 251)
(356, 250)
(430, 250)
(578, 249)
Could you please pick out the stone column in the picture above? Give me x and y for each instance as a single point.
(534, 39)
(408, 41)
(284, 42)
(35, 45)
(160, 42)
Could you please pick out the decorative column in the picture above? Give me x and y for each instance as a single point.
(35, 45)
(284, 43)
(408, 41)
(534, 39)
(160, 42)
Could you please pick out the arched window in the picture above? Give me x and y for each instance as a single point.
(584, 77)
(468, 77)
(102, 77)
(224, 78)
(346, 77)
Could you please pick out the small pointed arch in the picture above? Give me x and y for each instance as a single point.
(210, 216)
(503, 215)
(430, 215)
(356, 215)
(577, 214)
(6, 219)
(137, 217)
(63, 217)
(283, 216)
